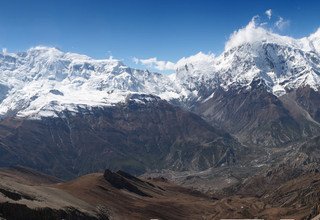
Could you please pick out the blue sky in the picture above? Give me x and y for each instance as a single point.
(166, 29)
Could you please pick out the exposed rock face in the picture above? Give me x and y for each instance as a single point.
(135, 136)
(309, 99)
(255, 116)
(120, 181)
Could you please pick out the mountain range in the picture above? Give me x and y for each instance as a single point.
(222, 124)
(44, 79)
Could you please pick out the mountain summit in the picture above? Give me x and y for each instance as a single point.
(44, 80)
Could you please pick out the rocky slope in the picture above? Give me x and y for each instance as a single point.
(26, 194)
(255, 116)
(144, 133)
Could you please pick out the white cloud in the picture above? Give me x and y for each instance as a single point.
(196, 60)
(281, 24)
(155, 63)
(255, 31)
(250, 33)
(269, 13)
(4, 50)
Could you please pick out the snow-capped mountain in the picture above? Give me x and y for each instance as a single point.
(262, 89)
(284, 63)
(43, 80)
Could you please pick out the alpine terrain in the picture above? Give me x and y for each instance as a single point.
(239, 132)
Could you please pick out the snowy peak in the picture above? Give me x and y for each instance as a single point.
(192, 72)
(255, 35)
(51, 63)
(44, 80)
(314, 41)
(281, 66)
(284, 63)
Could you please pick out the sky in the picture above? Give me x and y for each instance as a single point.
(130, 30)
